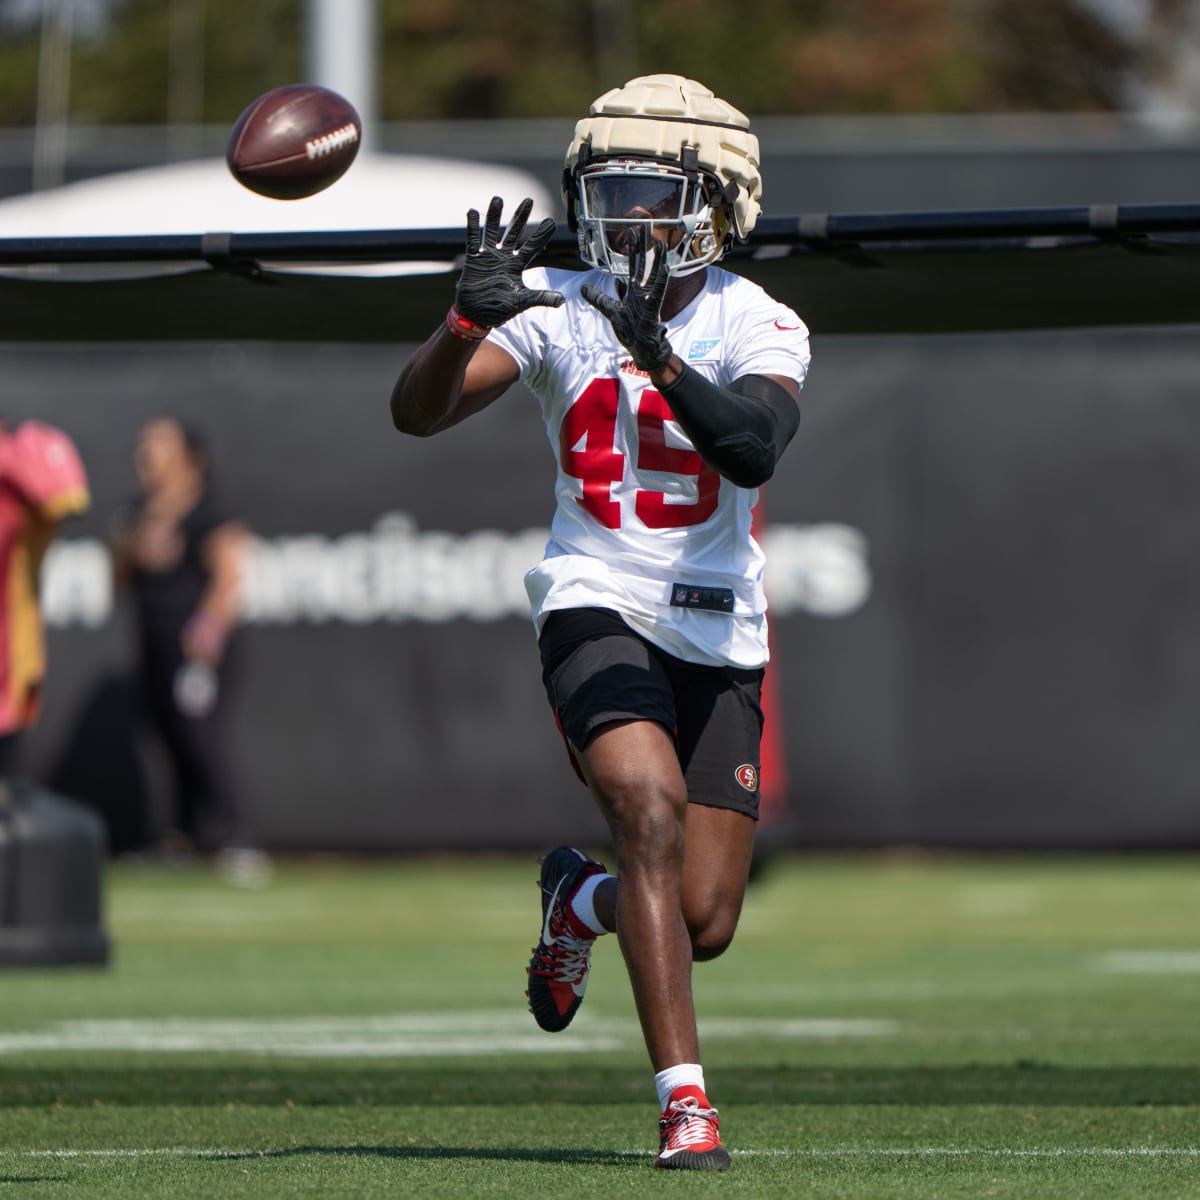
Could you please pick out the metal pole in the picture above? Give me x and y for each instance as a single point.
(53, 95)
(185, 78)
(342, 53)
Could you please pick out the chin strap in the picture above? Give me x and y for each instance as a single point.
(740, 431)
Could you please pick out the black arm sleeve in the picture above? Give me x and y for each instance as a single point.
(740, 431)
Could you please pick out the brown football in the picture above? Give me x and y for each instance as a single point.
(294, 141)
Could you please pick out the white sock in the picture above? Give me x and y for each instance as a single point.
(583, 903)
(680, 1075)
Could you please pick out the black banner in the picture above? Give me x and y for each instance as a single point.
(985, 627)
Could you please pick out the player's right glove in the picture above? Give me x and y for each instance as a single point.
(636, 318)
(490, 289)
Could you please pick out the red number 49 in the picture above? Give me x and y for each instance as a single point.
(591, 422)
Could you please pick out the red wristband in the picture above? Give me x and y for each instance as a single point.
(462, 328)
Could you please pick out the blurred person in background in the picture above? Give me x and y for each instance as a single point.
(182, 557)
(42, 482)
(669, 389)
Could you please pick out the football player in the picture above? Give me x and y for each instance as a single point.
(670, 388)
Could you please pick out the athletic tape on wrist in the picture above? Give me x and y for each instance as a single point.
(462, 328)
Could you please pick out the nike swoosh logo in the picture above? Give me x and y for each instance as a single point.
(546, 937)
(781, 325)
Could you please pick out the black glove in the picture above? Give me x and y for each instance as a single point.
(636, 318)
(490, 289)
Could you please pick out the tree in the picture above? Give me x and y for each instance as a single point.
(543, 58)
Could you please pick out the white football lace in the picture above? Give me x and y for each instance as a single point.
(321, 146)
(569, 957)
(689, 1124)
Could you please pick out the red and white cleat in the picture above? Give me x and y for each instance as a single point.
(558, 970)
(690, 1135)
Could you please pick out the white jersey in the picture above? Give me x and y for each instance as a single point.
(640, 521)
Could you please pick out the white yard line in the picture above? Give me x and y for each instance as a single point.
(1148, 962)
(403, 1035)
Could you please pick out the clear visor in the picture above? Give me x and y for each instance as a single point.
(617, 201)
(635, 197)
(615, 196)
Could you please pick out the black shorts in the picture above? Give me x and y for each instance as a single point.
(597, 669)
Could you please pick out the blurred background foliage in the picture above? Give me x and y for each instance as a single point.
(543, 58)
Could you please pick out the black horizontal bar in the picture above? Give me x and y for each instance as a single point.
(902, 230)
(1074, 220)
(399, 245)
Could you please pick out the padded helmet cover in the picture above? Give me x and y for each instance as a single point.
(656, 117)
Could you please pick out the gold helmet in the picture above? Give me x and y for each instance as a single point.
(665, 151)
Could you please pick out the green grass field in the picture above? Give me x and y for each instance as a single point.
(884, 1026)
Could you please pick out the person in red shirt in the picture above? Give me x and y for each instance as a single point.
(42, 482)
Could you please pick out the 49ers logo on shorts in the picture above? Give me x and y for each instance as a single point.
(747, 776)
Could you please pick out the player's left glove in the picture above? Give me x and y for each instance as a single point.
(637, 317)
(490, 289)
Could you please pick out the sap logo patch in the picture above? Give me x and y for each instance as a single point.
(704, 348)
